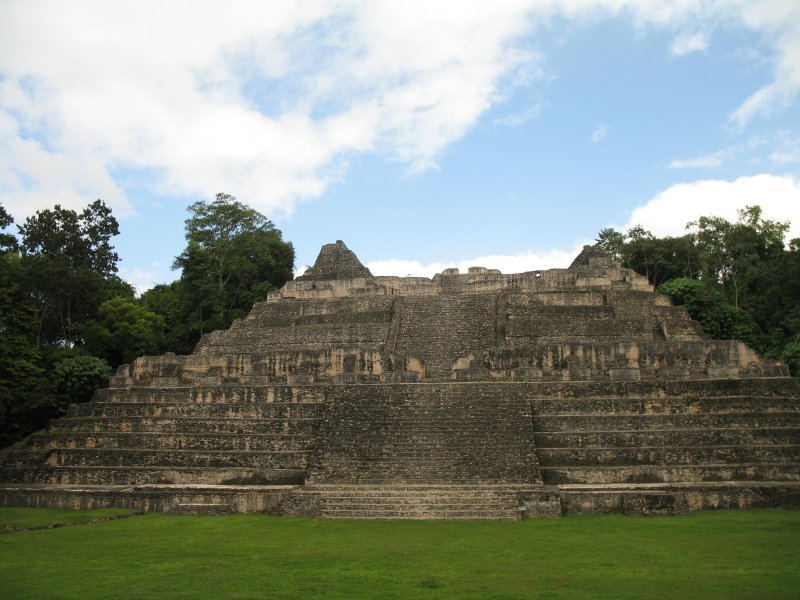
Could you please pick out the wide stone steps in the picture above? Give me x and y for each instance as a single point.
(425, 470)
(241, 426)
(138, 475)
(186, 409)
(670, 437)
(664, 405)
(100, 457)
(633, 422)
(202, 509)
(417, 502)
(273, 394)
(266, 442)
(307, 337)
(603, 474)
(666, 455)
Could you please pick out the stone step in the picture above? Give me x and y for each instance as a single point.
(419, 515)
(188, 409)
(182, 425)
(201, 508)
(224, 394)
(628, 422)
(266, 442)
(98, 457)
(417, 502)
(776, 471)
(667, 405)
(669, 437)
(666, 455)
(137, 475)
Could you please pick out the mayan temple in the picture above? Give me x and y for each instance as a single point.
(475, 395)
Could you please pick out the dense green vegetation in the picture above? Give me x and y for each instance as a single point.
(67, 320)
(725, 554)
(738, 279)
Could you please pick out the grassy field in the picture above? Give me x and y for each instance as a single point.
(724, 554)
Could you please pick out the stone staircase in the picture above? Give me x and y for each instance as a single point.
(398, 501)
(703, 431)
(173, 436)
(413, 434)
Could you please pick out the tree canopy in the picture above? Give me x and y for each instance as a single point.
(738, 279)
(234, 255)
(67, 319)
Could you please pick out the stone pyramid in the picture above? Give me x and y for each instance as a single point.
(475, 395)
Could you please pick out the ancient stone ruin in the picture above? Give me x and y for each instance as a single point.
(469, 395)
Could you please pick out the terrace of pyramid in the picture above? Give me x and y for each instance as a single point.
(476, 395)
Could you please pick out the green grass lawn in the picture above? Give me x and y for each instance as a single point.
(725, 554)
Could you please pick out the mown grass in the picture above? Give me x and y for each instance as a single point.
(725, 554)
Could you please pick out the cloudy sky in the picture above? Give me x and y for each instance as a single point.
(424, 134)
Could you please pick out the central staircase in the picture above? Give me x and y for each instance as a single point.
(432, 502)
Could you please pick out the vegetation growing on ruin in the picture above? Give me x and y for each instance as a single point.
(725, 554)
(738, 279)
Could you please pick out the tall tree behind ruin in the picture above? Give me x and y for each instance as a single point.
(234, 255)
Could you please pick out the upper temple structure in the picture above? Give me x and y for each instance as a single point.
(469, 395)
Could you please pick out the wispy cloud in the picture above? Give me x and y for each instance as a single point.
(519, 118)
(686, 43)
(789, 151)
(600, 132)
(752, 149)
(707, 161)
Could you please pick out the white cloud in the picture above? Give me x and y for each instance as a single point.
(600, 132)
(686, 43)
(708, 161)
(141, 279)
(270, 100)
(668, 212)
(523, 116)
(168, 88)
(789, 152)
(779, 22)
(507, 263)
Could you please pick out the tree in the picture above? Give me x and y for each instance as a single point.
(68, 258)
(8, 243)
(122, 331)
(233, 256)
(737, 279)
(708, 305)
(25, 399)
(167, 300)
(658, 259)
(731, 253)
(78, 377)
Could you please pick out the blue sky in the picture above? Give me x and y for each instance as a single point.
(424, 135)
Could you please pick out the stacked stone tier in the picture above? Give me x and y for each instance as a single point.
(734, 430)
(175, 435)
(432, 502)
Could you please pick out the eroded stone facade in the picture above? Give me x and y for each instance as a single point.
(475, 395)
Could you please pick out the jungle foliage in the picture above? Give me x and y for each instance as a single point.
(738, 279)
(67, 320)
